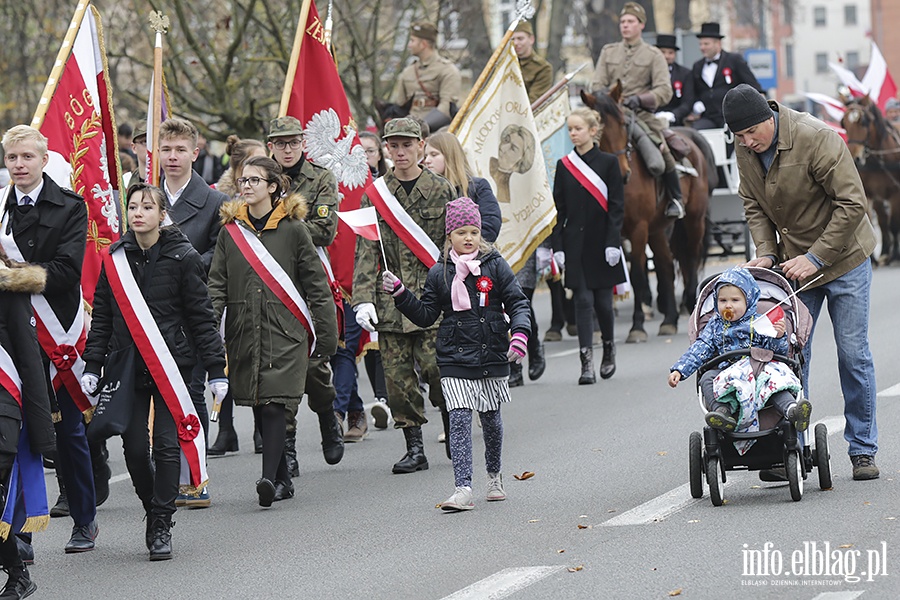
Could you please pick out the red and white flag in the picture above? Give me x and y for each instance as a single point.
(833, 108)
(849, 79)
(765, 324)
(878, 81)
(76, 115)
(363, 222)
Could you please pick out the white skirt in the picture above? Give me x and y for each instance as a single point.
(482, 395)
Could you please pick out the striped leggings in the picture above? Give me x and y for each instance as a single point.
(461, 443)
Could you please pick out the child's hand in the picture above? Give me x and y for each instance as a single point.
(674, 378)
(390, 283)
(780, 327)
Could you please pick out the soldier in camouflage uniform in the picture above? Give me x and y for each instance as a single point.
(423, 196)
(319, 187)
(432, 81)
(644, 74)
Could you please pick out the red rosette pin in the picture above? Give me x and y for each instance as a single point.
(188, 428)
(677, 85)
(726, 72)
(63, 357)
(483, 285)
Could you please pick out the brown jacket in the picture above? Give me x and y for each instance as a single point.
(811, 200)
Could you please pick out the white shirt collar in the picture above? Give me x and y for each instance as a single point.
(33, 194)
(173, 198)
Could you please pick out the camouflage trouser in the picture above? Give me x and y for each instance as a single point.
(400, 352)
(319, 391)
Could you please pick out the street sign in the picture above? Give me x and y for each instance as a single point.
(764, 65)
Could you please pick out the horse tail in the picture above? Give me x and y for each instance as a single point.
(712, 173)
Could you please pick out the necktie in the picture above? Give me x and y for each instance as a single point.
(27, 201)
(712, 62)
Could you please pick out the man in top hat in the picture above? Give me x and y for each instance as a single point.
(714, 74)
(432, 81)
(537, 74)
(645, 87)
(682, 102)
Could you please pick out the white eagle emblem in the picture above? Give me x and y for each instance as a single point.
(340, 156)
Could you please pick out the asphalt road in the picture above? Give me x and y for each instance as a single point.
(607, 514)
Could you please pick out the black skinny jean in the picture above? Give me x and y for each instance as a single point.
(589, 302)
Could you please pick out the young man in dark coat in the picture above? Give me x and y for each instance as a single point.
(682, 102)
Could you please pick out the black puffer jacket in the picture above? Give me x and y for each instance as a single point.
(471, 344)
(178, 300)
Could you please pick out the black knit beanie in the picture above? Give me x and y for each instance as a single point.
(744, 107)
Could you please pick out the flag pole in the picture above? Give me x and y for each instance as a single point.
(381, 243)
(565, 80)
(61, 58)
(295, 58)
(808, 283)
(485, 73)
(159, 24)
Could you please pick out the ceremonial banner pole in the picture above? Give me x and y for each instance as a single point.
(295, 57)
(549, 93)
(159, 24)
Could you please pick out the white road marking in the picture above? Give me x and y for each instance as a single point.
(833, 424)
(894, 390)
(657, 509)
(503, 583)
(839, 595)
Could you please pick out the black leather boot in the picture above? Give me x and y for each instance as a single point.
(587, 366)
(19, 585)
(536, 362)
(61, 508)
(445, 419)
(332, 438)
(101, 470)
(675, 208)
(290, 453)
(515, 375)
(414, 459)
(283, 490)
(226, 441)
(257, 441)
(608, 363)
(161, 538)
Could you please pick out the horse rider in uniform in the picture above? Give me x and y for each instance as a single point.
(644, 74)
(432, 81)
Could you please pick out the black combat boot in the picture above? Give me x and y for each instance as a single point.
(161, 534)
(226, 441)
(414, 459)
(445, 419)
(290, 453)
(61, 508)
(536, 362)
(608, 363)
(332, 438)
(515, 375)
(587, 366)
(675, 208)
(19, 585)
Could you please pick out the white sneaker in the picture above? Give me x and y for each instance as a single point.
(460, 500)
(442, 437)
(381, 414)
(495, 491)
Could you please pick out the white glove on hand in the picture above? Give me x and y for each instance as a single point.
(542, 258)
(699, 108)
(668, 116)
(365, 316)
(560, 258)
(219, 388)
(613, 256)
(89, 383)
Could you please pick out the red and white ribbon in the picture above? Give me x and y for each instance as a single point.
(9, 376)
(274, 276)
(587, 177)
(161, 364)
(409, 232)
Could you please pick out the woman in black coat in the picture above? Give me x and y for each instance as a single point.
(590, 236)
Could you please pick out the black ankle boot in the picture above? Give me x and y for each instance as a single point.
(161, 538)
(675, 208)
(257, 441)
(608, 363)
(414, 459)
(445, 419)
(226, 441)
(19, 585)
(587, 366)
(290, 453)
(61, 508)
(515, 375)
(101, 471)
(536, 363)
(332, 439)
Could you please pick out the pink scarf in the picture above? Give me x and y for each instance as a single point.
(465, 264)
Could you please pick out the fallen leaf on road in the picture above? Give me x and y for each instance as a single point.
(845, 546)
(575, 569)
(524, 476)
(867, 503)
(694, 521)
(534, 521)
(662, 453)
(582, 516)
(755, 487)
(560, 551)
(580, 526)
(675, 592)
(612, 510)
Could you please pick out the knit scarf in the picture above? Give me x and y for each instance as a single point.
(465, 264)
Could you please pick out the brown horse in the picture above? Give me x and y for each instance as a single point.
(875, 147)
(645, 221)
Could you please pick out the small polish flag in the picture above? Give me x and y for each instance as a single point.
(363, 221)
(764, 324)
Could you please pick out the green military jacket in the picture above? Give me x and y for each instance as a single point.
(427, 206)
(440, 85)
(640, 67)
(319, 187)
(537, 74)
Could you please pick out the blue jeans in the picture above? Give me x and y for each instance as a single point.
(343, 365)
(848, 306)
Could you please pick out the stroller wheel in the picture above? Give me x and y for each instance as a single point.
(714, 480)
(794, 466)
(695, 457)
(823, 457)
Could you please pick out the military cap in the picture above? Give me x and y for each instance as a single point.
(139, 132)
(285, 126)
(524, 27)
(634, 9)
(424, 30)
(402, 127)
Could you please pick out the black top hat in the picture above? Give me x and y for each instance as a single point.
(665, 40)
(710, 30)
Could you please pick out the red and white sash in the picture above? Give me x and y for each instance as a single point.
(274, 276)
(63, 345)
(9, 376)
(587, 177)
(409, 232)
(161, 364)
(335, 288)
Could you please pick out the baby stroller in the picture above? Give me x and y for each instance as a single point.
(777, 443)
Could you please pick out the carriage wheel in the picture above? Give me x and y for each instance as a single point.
(714, 481)
(794, 468)
(823, 457)
(695, 458)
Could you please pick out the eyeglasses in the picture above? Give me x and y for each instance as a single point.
(253, 181)
(281, 144)
(372, 151)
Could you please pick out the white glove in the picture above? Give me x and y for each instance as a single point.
(613, 256)
(668, 116)
(699, 108)
(219, 388)
(542, 257)
(560, 258)
(365, 316)
(89, 383)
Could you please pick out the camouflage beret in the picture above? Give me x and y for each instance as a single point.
(634, 9)
(283, 126)
(402, 127)
(424, 30)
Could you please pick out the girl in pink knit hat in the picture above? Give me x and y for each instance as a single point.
(474, 289)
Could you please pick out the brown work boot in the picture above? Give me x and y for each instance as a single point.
(357, 427)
